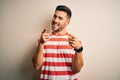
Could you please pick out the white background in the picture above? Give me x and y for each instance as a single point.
(95, 22)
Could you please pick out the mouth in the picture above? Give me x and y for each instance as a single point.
(54, 24)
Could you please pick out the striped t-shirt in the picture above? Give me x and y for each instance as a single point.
(57, 61)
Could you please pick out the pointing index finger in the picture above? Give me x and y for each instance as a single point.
(71, 36)
(44, 30)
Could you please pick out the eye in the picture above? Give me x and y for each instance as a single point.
(54, 16)
(60, 18)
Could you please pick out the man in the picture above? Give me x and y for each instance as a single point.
(59, 54)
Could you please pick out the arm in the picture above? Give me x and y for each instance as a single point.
(38, 56)
(77, 60)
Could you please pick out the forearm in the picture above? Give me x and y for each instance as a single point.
(38, 57)
(77, 62)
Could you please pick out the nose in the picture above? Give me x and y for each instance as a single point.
(56, 19)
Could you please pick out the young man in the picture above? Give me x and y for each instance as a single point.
(59, 54)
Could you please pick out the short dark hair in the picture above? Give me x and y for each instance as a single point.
(65, 9)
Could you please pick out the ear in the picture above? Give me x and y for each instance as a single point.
(68, 21)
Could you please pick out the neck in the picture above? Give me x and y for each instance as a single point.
(60, 32)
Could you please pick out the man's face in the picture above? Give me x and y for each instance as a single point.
(59, 21)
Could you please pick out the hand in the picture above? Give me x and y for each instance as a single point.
(44, 36)
(74, 42)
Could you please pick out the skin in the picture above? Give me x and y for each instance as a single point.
(59, 22)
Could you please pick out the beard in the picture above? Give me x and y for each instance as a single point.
(56, 27)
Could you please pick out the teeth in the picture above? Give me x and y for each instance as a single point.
(55, 24)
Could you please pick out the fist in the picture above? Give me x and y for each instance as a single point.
(44, 36)
(74, 42)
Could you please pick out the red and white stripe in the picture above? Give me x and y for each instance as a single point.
(56, 77)
(57, 60)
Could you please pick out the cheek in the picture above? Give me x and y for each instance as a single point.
(62, 22)
(52, 20)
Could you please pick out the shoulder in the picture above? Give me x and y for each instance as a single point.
(73, 35)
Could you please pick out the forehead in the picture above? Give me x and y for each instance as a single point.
(60, 13)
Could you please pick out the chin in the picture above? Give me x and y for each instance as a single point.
(54, 29)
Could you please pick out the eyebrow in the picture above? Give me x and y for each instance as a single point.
(58, 16)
